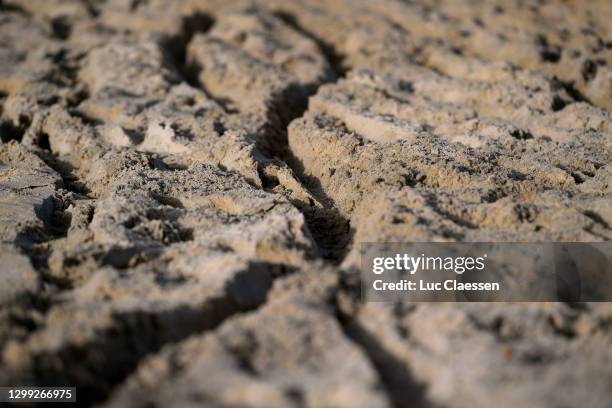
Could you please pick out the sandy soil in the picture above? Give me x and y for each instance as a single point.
(184, 186)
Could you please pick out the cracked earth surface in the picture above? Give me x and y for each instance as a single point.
(184, 186)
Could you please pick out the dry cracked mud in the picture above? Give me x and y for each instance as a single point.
(184, 186)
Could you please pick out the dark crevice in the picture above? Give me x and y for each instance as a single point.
(578, 177)
(57, 226)
(433, 202)
(36, 242)
(92, 7)
(569, 87)
(328, 227)
(177, 49)
(330, 230)
(87, 120)
(521, 134)
(8, 7)
(72, 182)
(398, 381)
(136, 4)
(8, 131)
(61, 27)
(335, 59)
(558, 103)
(67, 64)
(76, 98)
(588, 70)
(43, 141)
(551, 54)
(177, 45)
(133, 336)
(597, 219)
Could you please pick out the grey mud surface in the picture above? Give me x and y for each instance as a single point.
(184, 186)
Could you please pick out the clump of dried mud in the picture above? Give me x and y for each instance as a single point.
(184, 185)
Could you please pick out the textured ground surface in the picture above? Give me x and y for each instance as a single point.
(183, 185)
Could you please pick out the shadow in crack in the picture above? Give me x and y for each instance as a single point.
(399, 382)
(10, 131)
(96, 366)
(330, 229)
(335, 59)
(403, 389)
